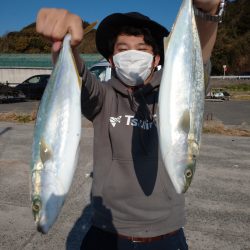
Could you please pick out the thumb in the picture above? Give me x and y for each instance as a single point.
(56, 47)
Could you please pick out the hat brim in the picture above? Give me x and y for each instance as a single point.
(110, 26)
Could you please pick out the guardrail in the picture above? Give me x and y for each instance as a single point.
(230, 77)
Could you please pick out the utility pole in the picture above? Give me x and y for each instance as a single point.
(224, 70)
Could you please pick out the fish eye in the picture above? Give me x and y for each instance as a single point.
(36, 207)
(188, 173)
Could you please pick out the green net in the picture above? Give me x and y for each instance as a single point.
(38, 60)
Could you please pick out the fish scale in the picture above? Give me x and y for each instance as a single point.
(181, 99)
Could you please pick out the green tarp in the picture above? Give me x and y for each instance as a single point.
(38, 60)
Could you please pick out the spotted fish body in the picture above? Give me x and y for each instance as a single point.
(181, 99)
(56, 140)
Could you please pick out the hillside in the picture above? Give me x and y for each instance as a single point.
(29, 41)
(232, 46)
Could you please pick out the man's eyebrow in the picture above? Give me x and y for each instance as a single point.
(142, 43)
(121, 43)
(138, 44)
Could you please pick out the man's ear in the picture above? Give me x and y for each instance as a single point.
(157, 59)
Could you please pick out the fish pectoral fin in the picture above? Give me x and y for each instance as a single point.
(185, 121)
(45, 151)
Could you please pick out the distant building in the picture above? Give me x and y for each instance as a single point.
(15, 68)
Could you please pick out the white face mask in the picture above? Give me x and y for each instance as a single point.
(133, 67)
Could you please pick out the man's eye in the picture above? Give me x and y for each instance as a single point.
(144, 49)
(121, 50)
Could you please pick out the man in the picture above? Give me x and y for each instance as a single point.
(135, 204)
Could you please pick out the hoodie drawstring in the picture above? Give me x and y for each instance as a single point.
(143, 112)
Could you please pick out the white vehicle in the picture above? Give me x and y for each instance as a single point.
(220, 94)
(102, 70)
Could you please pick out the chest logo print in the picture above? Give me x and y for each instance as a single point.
(115, 120)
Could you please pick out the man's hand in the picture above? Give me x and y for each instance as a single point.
(208, 6)
(207, 30)
(55, 24)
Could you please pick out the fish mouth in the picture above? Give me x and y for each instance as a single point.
(42, 227)
(39, 219)
(185, 188)
(42, 224)
(46, 212)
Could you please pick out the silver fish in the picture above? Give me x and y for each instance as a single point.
(56, 140)
(181, 99)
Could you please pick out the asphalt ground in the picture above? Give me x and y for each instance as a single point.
(217, 203)
(229, 112)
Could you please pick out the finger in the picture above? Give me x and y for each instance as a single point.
(46, 21)
(56, 24)
(75, 29)
(41, 17)
(56, 46)
(51, 23)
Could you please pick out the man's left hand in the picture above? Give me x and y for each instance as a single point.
(207, 6)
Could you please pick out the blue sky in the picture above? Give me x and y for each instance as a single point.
(16, 14)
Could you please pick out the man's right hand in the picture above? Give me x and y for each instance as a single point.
(55, 24)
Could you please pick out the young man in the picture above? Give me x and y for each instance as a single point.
(135, 204)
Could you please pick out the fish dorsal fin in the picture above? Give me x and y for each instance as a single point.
(45, 151)
(185, 121)
(90, 27)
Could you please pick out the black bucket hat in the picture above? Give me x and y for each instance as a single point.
(110, 26)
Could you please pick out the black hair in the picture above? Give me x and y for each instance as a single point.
(134, 31)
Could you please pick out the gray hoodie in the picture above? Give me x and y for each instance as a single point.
(131, 192)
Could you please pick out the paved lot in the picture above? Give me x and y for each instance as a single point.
(217, 204)
(229, 112)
